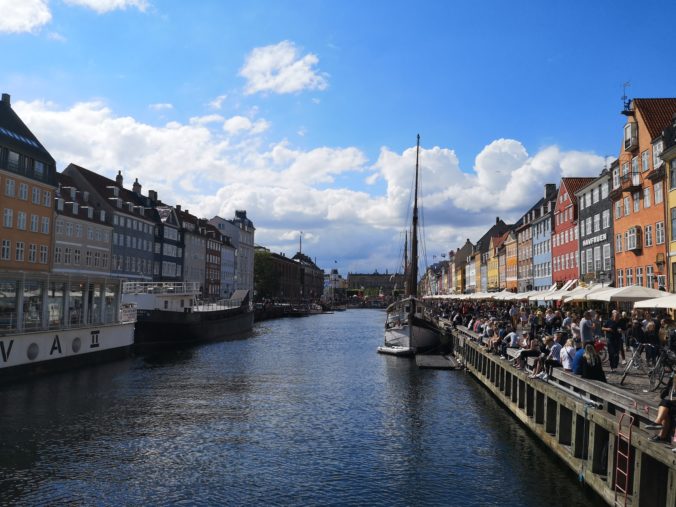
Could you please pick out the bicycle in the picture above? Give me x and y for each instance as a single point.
(638, 363)
(665, 365)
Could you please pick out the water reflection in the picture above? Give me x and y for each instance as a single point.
(302, 412)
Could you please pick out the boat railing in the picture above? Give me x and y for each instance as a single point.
(221, 304)
(9, 323)
(189, 288)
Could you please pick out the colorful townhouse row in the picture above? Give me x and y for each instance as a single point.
(79, 223)
(617, 227)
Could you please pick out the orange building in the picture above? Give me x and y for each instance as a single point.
(27, 188)
(638, 195)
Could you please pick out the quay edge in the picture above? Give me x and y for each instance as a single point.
(579, 421)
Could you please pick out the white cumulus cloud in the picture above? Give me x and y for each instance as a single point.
(162, 106)
(238, 124)
(211, 170)
(103, 6)
(17, 16)
(280, 68)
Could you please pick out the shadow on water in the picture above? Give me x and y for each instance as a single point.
(304, 412)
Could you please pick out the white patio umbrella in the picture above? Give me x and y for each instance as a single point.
(626, 294)
(580, 294)
(668, 301)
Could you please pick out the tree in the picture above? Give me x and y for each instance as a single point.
(266, 278)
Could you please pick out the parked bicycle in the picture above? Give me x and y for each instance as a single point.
(665, 365)
(638, 362)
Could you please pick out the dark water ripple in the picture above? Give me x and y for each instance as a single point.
(304, 412)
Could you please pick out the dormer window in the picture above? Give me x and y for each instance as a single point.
(90, 212)
(630, 136)
(85, 196)
(59, 204)
(75, 208)
(72, 193)
(119, 202)
(102, 216)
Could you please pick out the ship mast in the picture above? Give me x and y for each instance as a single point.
(413, 272)
(406, 268)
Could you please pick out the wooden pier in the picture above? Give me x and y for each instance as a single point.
(436, 362)
(596, 429)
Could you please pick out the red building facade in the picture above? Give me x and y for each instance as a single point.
(565, 250)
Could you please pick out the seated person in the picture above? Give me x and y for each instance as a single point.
(567, 355)
(591, 364)
(577, 358)
(531, 348)
(666, 413)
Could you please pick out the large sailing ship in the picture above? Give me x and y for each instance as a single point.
(410, 326)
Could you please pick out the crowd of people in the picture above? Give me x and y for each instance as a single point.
(569, 339)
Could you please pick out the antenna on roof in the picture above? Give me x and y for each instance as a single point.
(626, 101)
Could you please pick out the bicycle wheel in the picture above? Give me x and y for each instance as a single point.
(656, 375)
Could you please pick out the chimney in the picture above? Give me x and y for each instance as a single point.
(5, 98)
(497, 220)
(178, 208)
(550, 188)
(136, 187)
(152, 195)
(118, 179)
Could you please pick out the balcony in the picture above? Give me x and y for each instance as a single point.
(630, 182)
(657, 174)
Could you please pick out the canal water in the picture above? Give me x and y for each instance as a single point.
(302, 412)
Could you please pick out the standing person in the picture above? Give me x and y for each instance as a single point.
(613, 339)
(651, 337)
(512, 316)
(567, 321)
(587, 328)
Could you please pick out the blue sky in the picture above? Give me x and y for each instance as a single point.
(305, 113)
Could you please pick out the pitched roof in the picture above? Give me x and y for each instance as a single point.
(497, 243)
(575, 184)
(656, 113)
(16, 135)
(65, 184)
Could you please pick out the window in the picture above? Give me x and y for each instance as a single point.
(33, 253)
(634, 165)
(632, 239)
(672, 175)
(618, 243)
(618, 209)
(658, 192)
(657, 151)
(637, 202)
(616, 178)
(21, 220)
(45, 225)
(69, 229)
(7, 217)
(606, 219)
(35, 223)
(47, 198)
(625, 169)
(67, 255)
(673, 223)
(90, 234)
(582, 264)
(630, 276)
(598, 262)
(590, 260)
(626, 206)
(607, 261)
(648, 232)
(589, 225)
(9, 187)
(78, 230)
(43, 254)
(13, 161)
(57, 255)
(6, 249)
(639, 276)
(88, 258)
(659, 233)
(646, 197)
(23, 191)
(620, 278)
(595, 195)
(20, 247)
(35, 195)
(649, 276)
(645, 157)
(597, 222)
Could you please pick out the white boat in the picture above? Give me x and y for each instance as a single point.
(51, 322)
(410, 325)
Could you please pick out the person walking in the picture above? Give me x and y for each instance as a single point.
(613, 333)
